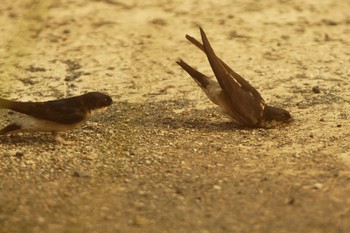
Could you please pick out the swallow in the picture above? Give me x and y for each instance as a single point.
(236, 97)
(55, 115)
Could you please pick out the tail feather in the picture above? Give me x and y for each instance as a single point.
(10, 128)
(195, 42)
(4, 103)
(21, 107)
(200, 78)
(242, 81)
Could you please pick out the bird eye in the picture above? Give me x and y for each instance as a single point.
(285, 115)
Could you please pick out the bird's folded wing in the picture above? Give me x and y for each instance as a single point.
(245, 85)
(57, 111)
(242, 100)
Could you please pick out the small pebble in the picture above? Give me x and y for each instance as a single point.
(81, 174)
(140, 221)
(19, 154)
(291, 201)
(316, 90)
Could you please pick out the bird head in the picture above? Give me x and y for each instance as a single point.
(96, 100)
(276, 114)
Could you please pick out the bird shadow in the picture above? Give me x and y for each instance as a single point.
(179, 114)
(26, 139)
(198, 124)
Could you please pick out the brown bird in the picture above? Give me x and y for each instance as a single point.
(240, 100)
(55, 115)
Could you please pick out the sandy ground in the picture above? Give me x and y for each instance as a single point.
(163, 158)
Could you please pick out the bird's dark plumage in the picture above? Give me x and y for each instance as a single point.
(66, 111)
(54, 115)
(231, 92)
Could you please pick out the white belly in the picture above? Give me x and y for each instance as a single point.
(32, 124)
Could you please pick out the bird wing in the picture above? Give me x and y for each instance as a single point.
(245, 85)
(243, 98)
(65, 111)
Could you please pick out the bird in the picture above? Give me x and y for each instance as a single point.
(236, 97)
(55, 115)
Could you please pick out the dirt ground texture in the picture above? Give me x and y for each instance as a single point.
(163, 158)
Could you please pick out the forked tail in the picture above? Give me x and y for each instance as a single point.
(10, 128)
(200, 78)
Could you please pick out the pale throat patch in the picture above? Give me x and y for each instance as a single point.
(98, 111)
